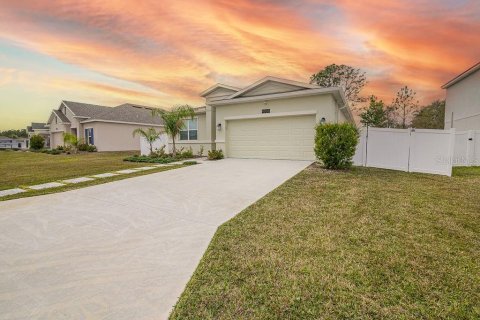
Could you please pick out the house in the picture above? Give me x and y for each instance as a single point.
(13, 143)
(108, 128)
(462, 109)
(272, 118)
(38, 128)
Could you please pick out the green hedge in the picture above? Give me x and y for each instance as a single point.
(335, 144)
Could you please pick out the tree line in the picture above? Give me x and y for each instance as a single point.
(404, 111)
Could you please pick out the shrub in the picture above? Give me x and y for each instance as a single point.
(200, 152)
(185, 154)
(159, 153)
(215, 154)
(82, 147)
(189, 163)
(60, 148)
(37, 142)
(91, 148)
(335, 144)
(147, 159)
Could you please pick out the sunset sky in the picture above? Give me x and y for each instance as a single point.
(162, 53)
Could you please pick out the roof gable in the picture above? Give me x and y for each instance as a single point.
(219, 90)
(85, 110)
(272, 85)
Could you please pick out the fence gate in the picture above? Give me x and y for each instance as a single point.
(410, 150)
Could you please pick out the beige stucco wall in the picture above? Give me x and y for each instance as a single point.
(115, 136)
(463, 99)
(202, 137)
(324, 105)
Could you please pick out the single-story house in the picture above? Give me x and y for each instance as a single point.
(272, 118)
(13, 143)
(41, 129)
(462, 109)
(108, 128)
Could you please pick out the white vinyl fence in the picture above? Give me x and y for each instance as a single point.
(411, 150)
(467, 148)
(159, 143)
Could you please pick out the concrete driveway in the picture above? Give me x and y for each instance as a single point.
(126, 249)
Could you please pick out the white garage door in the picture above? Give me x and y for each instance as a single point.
(272, 138)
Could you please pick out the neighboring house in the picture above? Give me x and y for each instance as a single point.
(462, 109)
(13, 143)
(272, 118)
(108, 128)
(37, 128)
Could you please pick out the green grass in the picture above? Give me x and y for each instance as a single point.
(30, 168)
(362, 244)
(20, 169)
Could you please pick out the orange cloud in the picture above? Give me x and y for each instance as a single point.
(178, 48)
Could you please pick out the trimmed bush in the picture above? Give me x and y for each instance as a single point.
(190, 162)
(335, 144)
(147, 159)
(215, 154)
(37, 142)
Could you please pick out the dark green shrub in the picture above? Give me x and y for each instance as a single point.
(37, 142)
(82, 147)
(215, 154)
(335, 144)
(189, 163)
(148, 159)
(60, 148)
(91, 148)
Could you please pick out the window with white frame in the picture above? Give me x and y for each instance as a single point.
(89, 136)
(190, 130)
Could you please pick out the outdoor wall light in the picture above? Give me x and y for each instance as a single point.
(323, 120)
(219, 127)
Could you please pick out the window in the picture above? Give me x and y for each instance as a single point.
(190, 130)
(89, 136)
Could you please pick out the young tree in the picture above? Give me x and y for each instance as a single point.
(431, 116)
(350, 79)
(404, 105)
(37, 142)
(150, 134)
(375, 115)
(71, 139)
(173, 120)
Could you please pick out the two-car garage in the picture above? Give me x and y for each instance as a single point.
(283, 137)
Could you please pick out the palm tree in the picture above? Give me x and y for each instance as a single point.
(173, 120)
(150, 134)
(71, 139)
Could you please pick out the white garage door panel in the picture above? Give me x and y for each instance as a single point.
(272, 138)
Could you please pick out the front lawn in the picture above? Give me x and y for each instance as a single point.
(363, 244)
(29, 168)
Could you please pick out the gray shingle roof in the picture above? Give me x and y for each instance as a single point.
(36, 126)
(62, 117)
(85, 109)
(129, 113)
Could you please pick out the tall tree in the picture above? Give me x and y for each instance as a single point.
(173, 121)
(404, 105)
(150, 135)
(14, 133)
(352, 81)
(375, 114)
(431, 116)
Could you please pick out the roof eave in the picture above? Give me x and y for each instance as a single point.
(462, 76)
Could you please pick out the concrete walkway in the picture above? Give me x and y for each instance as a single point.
(125, 249)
